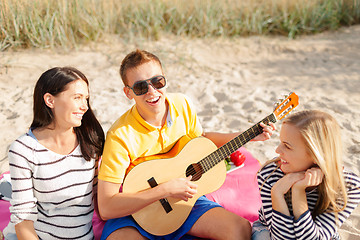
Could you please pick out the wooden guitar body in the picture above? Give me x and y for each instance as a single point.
(153, 218)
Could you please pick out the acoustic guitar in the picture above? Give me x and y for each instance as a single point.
(198, 157)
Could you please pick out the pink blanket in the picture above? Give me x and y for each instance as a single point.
(239, 194)
(4, 214)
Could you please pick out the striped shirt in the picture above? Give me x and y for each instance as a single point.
(286, 227)
(52, 190)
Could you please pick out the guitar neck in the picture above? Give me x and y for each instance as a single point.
(224, 151)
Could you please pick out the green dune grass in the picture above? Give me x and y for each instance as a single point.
(68, 23)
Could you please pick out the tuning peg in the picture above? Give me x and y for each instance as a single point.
(276, 105)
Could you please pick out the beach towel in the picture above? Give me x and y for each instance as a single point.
(239, 194)
(4, 205)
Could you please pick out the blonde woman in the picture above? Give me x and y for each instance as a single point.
(306, 193)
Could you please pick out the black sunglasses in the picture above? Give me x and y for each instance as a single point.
(142, 87)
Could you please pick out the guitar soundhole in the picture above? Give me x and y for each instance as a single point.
(195, 170)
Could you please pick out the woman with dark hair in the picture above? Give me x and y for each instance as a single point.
(53, 166)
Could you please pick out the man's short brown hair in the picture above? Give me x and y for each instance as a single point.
(135, 59)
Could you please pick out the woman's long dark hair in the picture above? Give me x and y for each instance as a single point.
(90, 133)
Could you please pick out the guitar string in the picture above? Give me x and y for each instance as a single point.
(222, 153)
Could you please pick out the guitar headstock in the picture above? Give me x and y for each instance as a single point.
(286, 106)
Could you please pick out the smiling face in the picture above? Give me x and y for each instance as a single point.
(70, 105)
(151, 105)
(292, 150)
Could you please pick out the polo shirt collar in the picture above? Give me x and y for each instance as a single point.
(172, 113)
(171, 116)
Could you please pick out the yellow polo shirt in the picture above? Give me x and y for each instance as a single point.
(131, 137)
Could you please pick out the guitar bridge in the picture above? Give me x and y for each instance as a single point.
(164, 202)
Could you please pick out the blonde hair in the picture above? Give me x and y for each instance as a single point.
(322, 137)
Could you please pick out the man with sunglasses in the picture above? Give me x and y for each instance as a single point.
(152, 126)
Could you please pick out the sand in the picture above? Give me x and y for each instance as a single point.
(232, 82)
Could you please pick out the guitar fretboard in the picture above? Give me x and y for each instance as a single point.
(224, 151)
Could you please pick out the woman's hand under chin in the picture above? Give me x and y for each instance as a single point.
(312, 178)
(285, 183)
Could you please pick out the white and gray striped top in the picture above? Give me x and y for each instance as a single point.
(286, 227)
(55, 191)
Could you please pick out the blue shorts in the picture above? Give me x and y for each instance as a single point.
(259, 231)
(201, 206)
